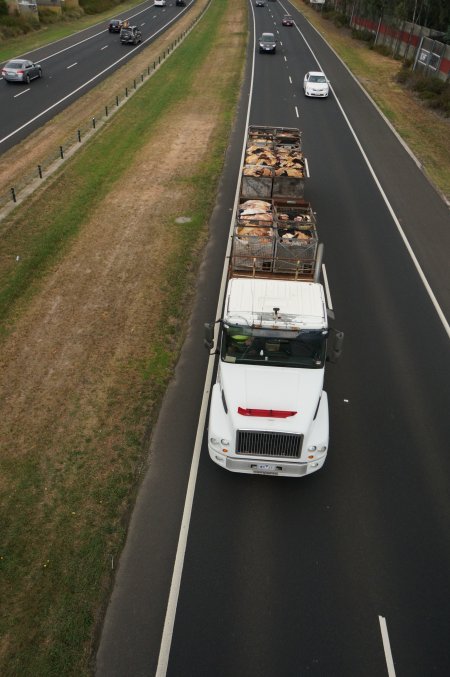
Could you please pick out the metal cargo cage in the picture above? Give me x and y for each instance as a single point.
(295, 235)
(256, 182)
(288, 186)
(264, 135)
(274, 164)
(253, 246)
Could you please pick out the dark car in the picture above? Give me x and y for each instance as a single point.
(130, 36)
(180, 3)
(267, 43)
(21, 70)
(115, 25)
(287, 20)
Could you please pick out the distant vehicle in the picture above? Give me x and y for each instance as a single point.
(260, 3)
(160, 3)
(115, 25)
(21, 70)
(130, 36)
(267, 43)
(287, 20)
(180, 3)
(316, 83)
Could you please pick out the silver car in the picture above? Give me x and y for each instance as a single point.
(21, 70)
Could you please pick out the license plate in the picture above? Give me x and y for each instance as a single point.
(266, 468)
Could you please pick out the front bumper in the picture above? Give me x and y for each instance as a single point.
(321, 94)
(270, 466)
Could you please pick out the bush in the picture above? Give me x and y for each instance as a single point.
(47, 17)
(13, 26)
(340, 19)
(363, 34)
(384, 50)
(328, 13)
(97, 6)
(403, 74)
(3, 8)
(419, 83)
(72, 13)
(427, 96)
(434, 92)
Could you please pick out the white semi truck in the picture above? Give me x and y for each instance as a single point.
(269, 412)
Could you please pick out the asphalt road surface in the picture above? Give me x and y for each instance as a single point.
(345, 572)
(74, 65)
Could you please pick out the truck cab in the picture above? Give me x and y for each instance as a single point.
(269, 412)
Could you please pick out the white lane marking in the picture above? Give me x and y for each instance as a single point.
(285, 58)
(296, 112)
(281, 44)
(72, 65)
(307, 168)
(166, 640)
(327, 287)
(409, 249)
(290, 80)
(143, 23)
(104, 47)
(20, 93)
(387, 647)
(88, 82)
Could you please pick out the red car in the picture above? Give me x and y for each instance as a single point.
(288, 20)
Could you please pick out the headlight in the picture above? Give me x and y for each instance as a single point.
(214, 441)
(321, 448)
(225, 442)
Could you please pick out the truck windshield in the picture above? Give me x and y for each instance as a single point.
(285, 349)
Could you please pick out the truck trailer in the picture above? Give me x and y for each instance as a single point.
(269, 411)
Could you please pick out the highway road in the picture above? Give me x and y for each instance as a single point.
(345, 572)
(74, 65)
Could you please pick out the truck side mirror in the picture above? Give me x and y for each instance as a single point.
(208, 340)
(337, 341)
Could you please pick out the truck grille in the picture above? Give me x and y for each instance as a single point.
(277, 445)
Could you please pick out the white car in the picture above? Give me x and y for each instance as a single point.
(316, 84)
(160, 3)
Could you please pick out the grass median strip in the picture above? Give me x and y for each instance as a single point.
(96, 288)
